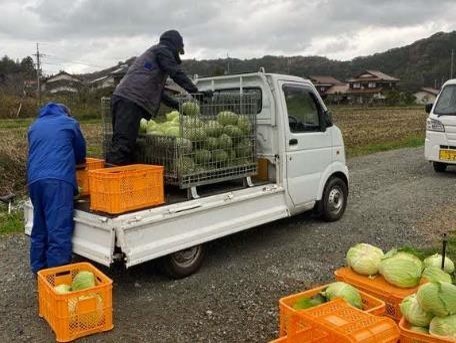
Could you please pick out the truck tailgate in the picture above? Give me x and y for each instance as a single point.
(93, 237)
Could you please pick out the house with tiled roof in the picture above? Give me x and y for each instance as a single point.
(323, 83)
(371, 86)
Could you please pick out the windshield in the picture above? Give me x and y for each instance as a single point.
(446, 105)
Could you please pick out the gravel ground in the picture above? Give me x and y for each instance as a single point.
(234, 297)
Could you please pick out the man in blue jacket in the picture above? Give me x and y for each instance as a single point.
(56, 145)
(140, 92)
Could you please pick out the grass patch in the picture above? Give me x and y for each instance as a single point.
(11, 223)
(411, 141)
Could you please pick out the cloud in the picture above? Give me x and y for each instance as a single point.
(83, 35)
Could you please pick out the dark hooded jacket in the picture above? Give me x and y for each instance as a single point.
(145, 80)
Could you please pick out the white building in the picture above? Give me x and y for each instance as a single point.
(62, 83)
(426, 95)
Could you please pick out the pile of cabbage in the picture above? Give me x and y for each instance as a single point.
(83, 280)
(223, 140)
(335, 290)
(399, 268)
(432, 310)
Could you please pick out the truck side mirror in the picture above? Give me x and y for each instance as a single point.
(428, 107)
(328, 118)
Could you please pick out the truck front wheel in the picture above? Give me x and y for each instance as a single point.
(184, 263)
(439, 167)
(332, 205)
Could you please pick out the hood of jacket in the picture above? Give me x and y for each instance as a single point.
(174, 41)
(53, 109)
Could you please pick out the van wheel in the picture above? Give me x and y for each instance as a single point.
(184, 263)
(334, 201)
(439, 167)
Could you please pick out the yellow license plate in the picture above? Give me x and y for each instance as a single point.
(447, 155)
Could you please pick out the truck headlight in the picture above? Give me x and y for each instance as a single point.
(434, 125)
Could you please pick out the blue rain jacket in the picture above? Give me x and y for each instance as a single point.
(56, 145)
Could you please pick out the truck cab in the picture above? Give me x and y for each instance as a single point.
(304, 169)
(440, 143)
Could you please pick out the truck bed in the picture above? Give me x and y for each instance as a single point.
(147, 234)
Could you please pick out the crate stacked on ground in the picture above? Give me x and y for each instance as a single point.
(74, 314)
(287, 310)
(202, 143)
(337, 321)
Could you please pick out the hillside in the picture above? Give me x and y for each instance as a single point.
(418, 64)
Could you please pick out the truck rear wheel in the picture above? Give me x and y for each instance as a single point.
(332, 205)
(184, 263)
(439, 167)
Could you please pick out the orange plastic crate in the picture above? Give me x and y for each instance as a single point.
(344, 324)
(82, 175)
(379, 288)
(408, 336)
(75, 314)
(370, 305)
(306, 335)
(122, 189)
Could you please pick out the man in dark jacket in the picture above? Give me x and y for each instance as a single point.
(140, 92)
(56, 145)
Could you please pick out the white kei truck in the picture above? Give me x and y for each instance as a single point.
(440, 143)
(306, 170)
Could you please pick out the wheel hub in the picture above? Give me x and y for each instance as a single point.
(186, 257)
(335, 200)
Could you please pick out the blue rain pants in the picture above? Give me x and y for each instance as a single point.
(53, 223)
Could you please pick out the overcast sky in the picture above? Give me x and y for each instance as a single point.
(87, 35)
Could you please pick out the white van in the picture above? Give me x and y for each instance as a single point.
(440, 144)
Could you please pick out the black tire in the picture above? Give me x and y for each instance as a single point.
(439, 167)
(184, 263)
(333, 203)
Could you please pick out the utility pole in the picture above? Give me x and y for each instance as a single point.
(38, 72)
(228, 63)
(451, 67)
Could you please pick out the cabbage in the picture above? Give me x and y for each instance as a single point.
(173, 131)
(305, 302)
(244, 124)
(438, 298)
(82, 280)
(344, 291)
(195, 134)
(413, 312)
(219, 156)
(211, 143)
(155, 133)
(225, 141)
(184, 145)
(364, 258)
(202, 156)
(443, 327)
(436, 261)
(62, 289)
(172, 116)
(244, 149)
(143, 126)
(191, 108)
(435, 274)
(232, 131)
(187, 165)
(213, 128)
(419, 329)
(401, 269)
(227, 118)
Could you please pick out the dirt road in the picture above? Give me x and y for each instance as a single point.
(394, 197)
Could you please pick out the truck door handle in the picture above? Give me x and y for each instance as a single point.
(293, 141)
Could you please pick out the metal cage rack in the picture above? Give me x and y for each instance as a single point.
(205, 142)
